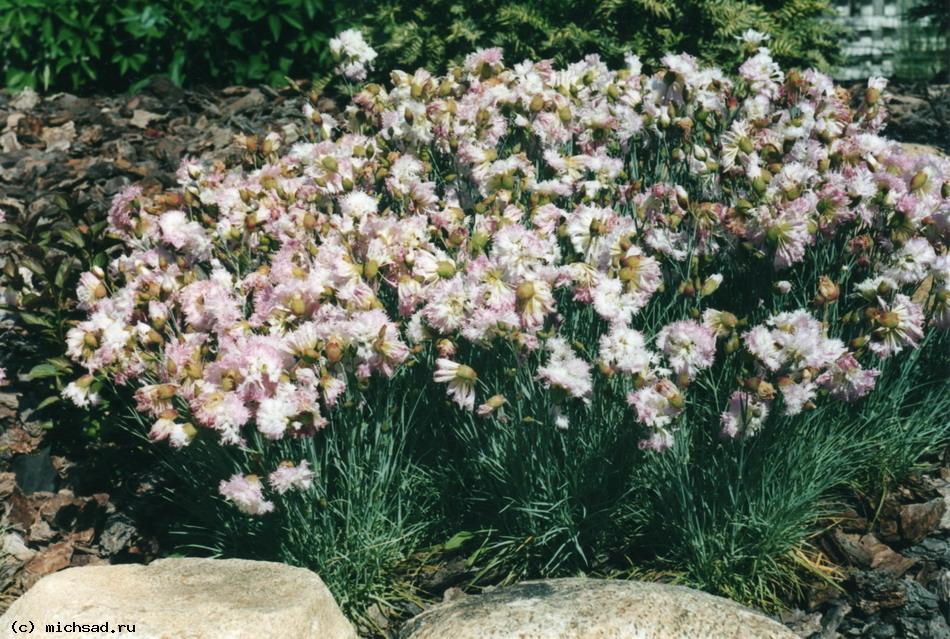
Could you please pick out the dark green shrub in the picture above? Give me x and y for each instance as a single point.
(80, 44)
(410, 34)
(83, 45)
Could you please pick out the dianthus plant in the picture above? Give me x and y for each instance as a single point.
(541, 241)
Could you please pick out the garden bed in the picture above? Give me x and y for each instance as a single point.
(78, 153)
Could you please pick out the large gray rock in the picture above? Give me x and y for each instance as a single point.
(182, 599)
(593, 609)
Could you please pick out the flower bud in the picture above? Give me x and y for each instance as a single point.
(828, 289)
(297, 306)
(676, 399)
(194, 370)
(889, 320)
(496, 401)
(165, 391)
(466, 372)
(919, 180)
(370, 269)
(712, 284)
(446, 347)
(189, 429)
(445, 269)
(333, 352)
(525, 292)
(765, 391)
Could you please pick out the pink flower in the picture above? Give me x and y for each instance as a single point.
(167, 429)
(689, 347)
(900, 325)
(290, 477)
(659, 440)
(565, 370)
(796, 396)
(353, 54)
(846, 380)
(625, 348)
(657, 404)
(461, 380)
(120, 214)
(745, 415)
(246, 492)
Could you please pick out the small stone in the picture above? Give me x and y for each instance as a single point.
(376, 619)
(884, 558)
(221, 137)
(850, 548)
(116, 535)
(14, 546)
(252, 100)
(194, 598)
(941, 586)
(801, 623)
(51, 559)
(934, 549)
(592, 608)
(7, 485)
(59, 138)
(9, 143)
(40, 531)
(919, 520)
(453, 593)
(833, 619)
(943, 487)
(142, 118)
(25, 100)
(878, 590)
(90, 135)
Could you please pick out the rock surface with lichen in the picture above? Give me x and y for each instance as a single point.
(593, 609)
(193, 598)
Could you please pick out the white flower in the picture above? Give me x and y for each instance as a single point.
(353, 53)
(290, 477)
(745, 415)
(565, 370)
(78, 392)
(625, 348)
(178, 435)
(461, 380)
(753, 37)
(246, 492)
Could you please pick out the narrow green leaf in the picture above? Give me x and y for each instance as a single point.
(40, 371)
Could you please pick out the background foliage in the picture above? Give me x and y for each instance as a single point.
(85, 45)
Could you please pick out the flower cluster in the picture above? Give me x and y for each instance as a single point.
(353, 55)
(453, 214)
